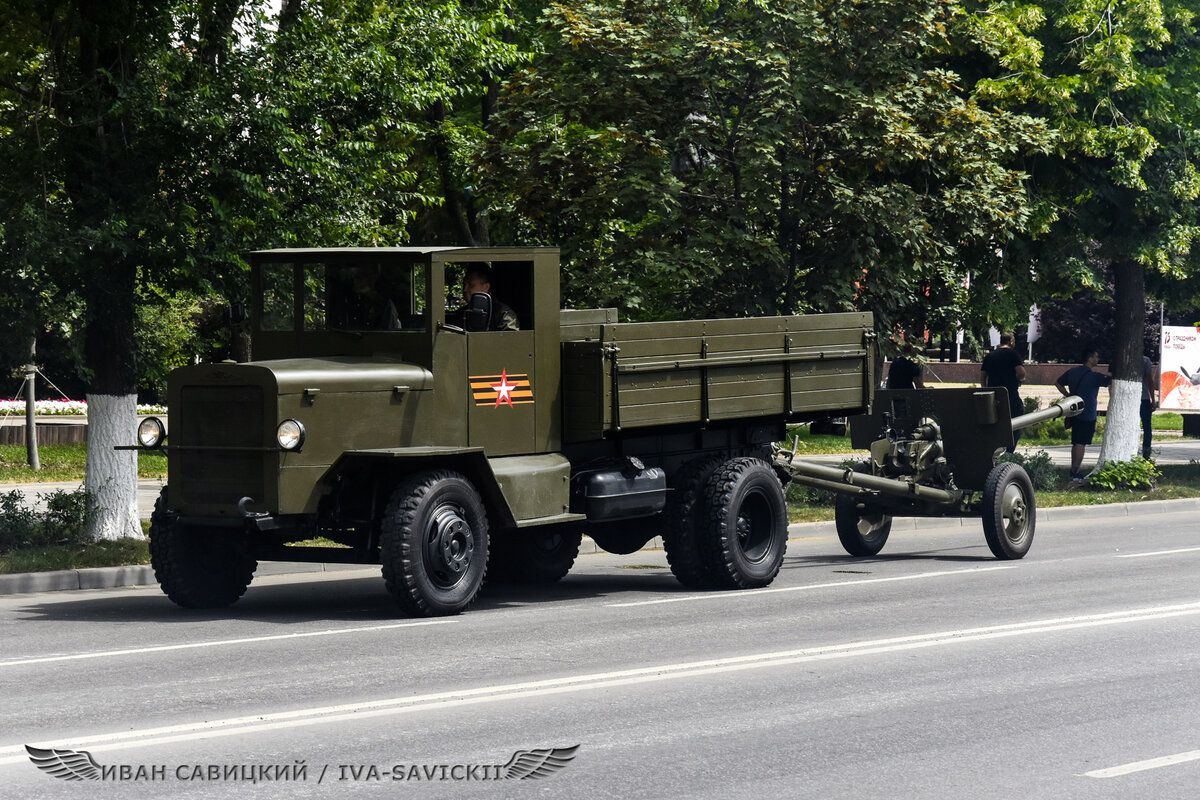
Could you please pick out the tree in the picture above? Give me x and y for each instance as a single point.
(1118, 83)
(753, 157)
(173, 136)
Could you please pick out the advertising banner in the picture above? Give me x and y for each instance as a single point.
(1179, 387)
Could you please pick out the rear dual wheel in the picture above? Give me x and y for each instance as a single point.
(534, 555)
(743, 528)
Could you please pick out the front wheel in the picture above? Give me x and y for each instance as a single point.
(198, 566)
(745, 524)
(1008, 511)
(434, 543)
(861, 528)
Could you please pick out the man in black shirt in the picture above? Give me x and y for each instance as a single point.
(905, 371)
(1005, 367)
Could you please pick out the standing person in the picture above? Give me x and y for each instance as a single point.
(1084, 381)
(1149, 403)
(905, 371)
(1005, 367)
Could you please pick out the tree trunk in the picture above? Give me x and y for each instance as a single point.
(111, 474)
(455, 205)
(1122, 437)
(111, 477)
(110, 176)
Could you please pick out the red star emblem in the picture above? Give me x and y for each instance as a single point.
(504, 389)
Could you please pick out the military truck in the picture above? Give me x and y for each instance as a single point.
(382, 422)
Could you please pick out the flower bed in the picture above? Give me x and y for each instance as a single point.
(63, 408)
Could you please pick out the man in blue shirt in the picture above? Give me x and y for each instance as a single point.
(1085, 382)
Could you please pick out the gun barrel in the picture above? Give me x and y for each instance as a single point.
(1067, 407)
(851, 482)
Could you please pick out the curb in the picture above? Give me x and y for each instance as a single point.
(143, 574)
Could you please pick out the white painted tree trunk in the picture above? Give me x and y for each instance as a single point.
(111, 475)
(1122, 425)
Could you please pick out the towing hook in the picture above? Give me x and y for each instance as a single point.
(241, 506)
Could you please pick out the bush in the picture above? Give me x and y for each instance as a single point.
(63, 522)
(1042, 472)
(1140, 473)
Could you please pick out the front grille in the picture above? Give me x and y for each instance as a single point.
(219, 416)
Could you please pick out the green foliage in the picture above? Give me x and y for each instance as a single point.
(141, 160)
(699, 159)
(63, 522)
(1138, 473)
(1039, 466)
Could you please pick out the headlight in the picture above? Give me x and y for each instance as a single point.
(290, 434)
(151, 432)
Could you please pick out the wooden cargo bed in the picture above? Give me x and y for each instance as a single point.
(637, 375)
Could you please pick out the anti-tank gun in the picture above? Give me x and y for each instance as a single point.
(932, 454)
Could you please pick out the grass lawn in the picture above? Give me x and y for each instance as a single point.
(64, 462)
(119, 553)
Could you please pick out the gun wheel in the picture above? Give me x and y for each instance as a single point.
(434, 543)
(863, 531)
(1008, 511)
(198, 567)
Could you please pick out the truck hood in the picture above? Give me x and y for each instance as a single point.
(329, 374)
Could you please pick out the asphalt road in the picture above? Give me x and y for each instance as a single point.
(930, 671)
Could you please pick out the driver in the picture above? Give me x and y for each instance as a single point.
(478, 278)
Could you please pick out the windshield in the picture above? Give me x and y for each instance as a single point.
(350, 295)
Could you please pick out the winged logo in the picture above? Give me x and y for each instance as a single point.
(70, 765)
(534, 764)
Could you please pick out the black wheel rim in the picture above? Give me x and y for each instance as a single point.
(449, 546)
(754, 526)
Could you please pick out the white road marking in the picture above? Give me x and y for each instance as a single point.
(350, 712)
(1160, 552)
(1142, 766)
(758, 592)
(220, 643)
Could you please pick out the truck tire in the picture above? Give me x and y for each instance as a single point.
(691, 564)
(862, 532)
(744, 527)
(1009, 511)
(198, 567)
(535, 555)
(434, 543)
